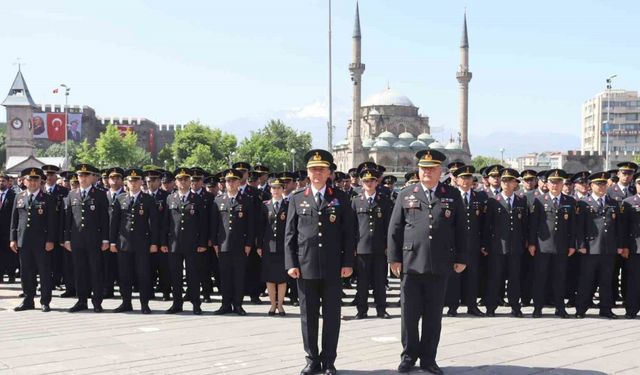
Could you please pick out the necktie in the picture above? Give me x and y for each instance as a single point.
(184, 198)
(1, 199)
(624, 190)
(509, 203)
(51, 190)
(497, 192)
(600, 203)
(233, 201)
(318, 199)
(466, 201)
(132, 202)
(370, 201)
(30, 199)
(277, 206)
(84, 194)
(555, 202)
(429, 195)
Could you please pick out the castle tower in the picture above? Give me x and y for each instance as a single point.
(19, 106)
(356, 68)
(464, 76)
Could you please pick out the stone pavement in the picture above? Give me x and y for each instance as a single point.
(58, 342)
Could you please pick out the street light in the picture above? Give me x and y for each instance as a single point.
(293, 160)
(66, 122)
(608, 126)
(502, 155)
(284, 166)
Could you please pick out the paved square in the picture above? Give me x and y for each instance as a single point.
(58, 342)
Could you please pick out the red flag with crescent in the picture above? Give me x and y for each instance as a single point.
(55, 127)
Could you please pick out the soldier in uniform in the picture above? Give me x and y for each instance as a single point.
(600, 240)
(493, 178)
(373, 212)
(619, 191)
(389, 182)
(464, 287)
(168, 182)
(319, 250)
(183, 237)
(134, 231)
(505, 233)
(205, 261)
(33, 235)
(232, 240)
(264, 191)
(271, 246)
(159, 260)
(58, 192)
(9, 262)
(552, 240)
(426, 241)
(631, 233)
(110, 259)
(87, 237)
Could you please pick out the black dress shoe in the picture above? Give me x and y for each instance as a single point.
(311, 368)
(272, 313)
(562, 313)
(145, 309)
(21, 295)
(197, 310)
(79, 306)
(240, 311)
(124, 307)
(452, 312)
(608, 314)
(223, 310)
(45, 308)
(97, 308)
(431, 368)
(166, 297)
(630, 316)
(282, 313)
(330, 370)
(517, 313)
(174, 309)
(580, 315)
(295, 303)
(256, 300)
(383, 315)
(537, 313)
(67, 294)
(405, 366)
(24, 306)
(475, 311)
(360, 316)
(491, 313)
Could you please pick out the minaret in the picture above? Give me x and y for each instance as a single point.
(356, 68)
(464, 76)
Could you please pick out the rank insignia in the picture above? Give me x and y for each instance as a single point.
(192, 211)
(283, 216)
(519, 215)
(613, 216)
(40, 211)
(92, 207)
(332, 218)
(379, 215)
(141, 212)
(566, 216)
(240, 214)
(447, 213)
(477, 212)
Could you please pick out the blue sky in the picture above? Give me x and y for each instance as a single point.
(236, 64)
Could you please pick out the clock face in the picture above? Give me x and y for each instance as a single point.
(16, 123)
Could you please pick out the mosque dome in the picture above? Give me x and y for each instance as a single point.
(436, 146)
(426, 138)
(381, 144)
(400, 145)
(406, 136)
(454, 145)
(388, 97)
(418, 145)
(368, 143)
(387, 136)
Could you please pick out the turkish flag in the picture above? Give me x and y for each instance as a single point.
(55, 127)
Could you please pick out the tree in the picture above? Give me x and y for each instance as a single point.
(199, 145)
(482, 161)
(272, 146)
(112, 149)
(57, 150)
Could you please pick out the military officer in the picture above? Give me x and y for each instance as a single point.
(530, 192)
(631, 234)
(493, 178)
(373, 212)
(264, 191)
(504, 235)
(110, 259)
(58, 192)
(206, 259)
(464, 287)
(87, 237)
(134, 231)
(319, 250)
(183, 237)
(426, 241)
(552, 240)
(159, 260)
(33, 236)
(600, 239)
(389, 182)
(9, 261)
(233, 239)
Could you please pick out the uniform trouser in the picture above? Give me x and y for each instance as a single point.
(483, 273)
(632, 296)
(463, 287)
(499, 266)
(134, 265)
(371, 268)
(160, 271)
(619, 281)
(253, 284)
(313, 294)
(68, 270)
(595, 268)
(176, 267)
(527, 276)
(233, 267)
(204, 264)
(421, 296)
(9, 261)
(573, 277)
(33, 262)
(57, 265)
(293, 288)
(546, 264)
(87, 263)
(110, 272)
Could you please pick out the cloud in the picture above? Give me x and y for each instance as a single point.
(315, 110)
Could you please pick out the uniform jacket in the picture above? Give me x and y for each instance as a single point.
(134, 225)
(273, 224)
(185, 224)
(236, 228)
(600, 230)
(372, 223)
(87, 220)
(505, 229)
(33, 224)
(553, 229)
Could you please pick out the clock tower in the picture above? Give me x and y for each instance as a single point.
(19, 106)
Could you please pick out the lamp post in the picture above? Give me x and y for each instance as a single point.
(284, 166)
(66, 122)
(502, 155)
(608, 126)
(293, 160)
